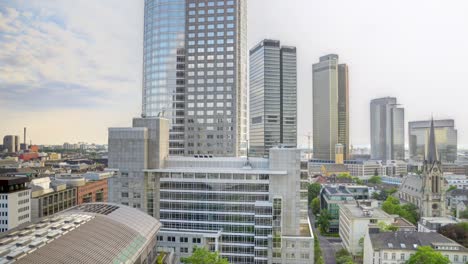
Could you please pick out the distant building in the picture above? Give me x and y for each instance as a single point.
(454, 197)
(89, 187)
(427, 191)
(330, 107)
(387, 129)
(48, 198)
(11, 143)
(446, 138)
(398, 247)
(15, 202)
(364, 170)
(459, 181)
(433, 224)
(273, 97)
(90, 233)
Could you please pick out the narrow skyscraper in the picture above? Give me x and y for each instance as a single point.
(330, 107)
(387, 129)
(273, 97)
(195, 73)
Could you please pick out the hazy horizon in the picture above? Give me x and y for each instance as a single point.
(71, 69)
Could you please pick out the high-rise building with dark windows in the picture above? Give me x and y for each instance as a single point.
(387, 129)
(273, 97)
(195, 73)
(330, 107)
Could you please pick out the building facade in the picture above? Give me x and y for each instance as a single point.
(398, 247)
(273, 97)
(49, 198)
(15, 202)
(446, 137)
(387, 129)
(330, 107)
(195, 74)
(355, 219)
(11, 143)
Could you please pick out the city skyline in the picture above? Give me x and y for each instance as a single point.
(87, 108)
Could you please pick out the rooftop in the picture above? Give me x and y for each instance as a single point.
(412, 240)
(364, 211)
(89, 233)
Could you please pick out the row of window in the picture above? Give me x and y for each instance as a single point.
(209, 4)
(211, 19)
(211, 11)
(209, 34)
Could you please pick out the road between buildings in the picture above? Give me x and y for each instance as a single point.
(328, 250)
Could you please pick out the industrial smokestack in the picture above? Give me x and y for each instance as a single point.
(24, 137)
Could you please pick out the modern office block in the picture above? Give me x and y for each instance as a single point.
(446, 138)
(15, 201)
(273, 97)
(387, 129)
(89, 233)
(330, 107)
(195, 72)
(251, 211)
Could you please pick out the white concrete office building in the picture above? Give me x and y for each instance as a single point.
(15, 202)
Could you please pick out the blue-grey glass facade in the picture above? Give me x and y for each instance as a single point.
(164, 66)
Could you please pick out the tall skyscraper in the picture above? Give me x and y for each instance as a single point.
(195, 72)
(273, 97)
(445, 134)
(330, 107)
(387, 129)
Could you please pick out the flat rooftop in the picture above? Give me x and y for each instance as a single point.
(358, 211)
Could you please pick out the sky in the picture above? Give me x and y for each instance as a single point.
(69, 69)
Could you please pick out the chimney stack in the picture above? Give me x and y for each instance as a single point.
(24, 139)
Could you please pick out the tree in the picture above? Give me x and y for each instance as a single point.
(344, 175)
(407, 211)
(464, 214)
(324, 220)
(427, 255)
(203, 256)
(315, 205)
(451, 188)
(387, 227)
(457, 232)
(375, 180)
(313, 190)
(343, 257)
(358, 181)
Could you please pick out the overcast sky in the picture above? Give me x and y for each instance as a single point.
(71, 68)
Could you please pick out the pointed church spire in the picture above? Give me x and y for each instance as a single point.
(432, 148)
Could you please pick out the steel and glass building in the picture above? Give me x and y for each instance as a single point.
(195, 73)
(273, 97)
(387, 129)
(445, 134)
(330, 107)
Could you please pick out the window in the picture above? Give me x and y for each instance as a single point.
(183, 239)
(196, 240)
(171, 239)
(402, 256)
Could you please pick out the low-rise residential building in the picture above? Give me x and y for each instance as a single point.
(459, 181)
(90, 187)
(454, 197)
(461, 208)
(15, 202)
(331, 197)
(354, 222)
(48, 198)
(433, 224)
(398, 247)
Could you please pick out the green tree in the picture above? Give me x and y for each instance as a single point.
(427, 255)
(451, 188)
(203, 256)
(387, 227)
(314, 190)
(464, 214)
(344, 175)
(358, 181)
(324, 220)
(375, 180)
(457, 232)
(315, 205)
(407, 211)
(343, 257)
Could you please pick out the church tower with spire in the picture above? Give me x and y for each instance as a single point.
(433, 200)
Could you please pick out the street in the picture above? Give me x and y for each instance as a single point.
(328, 250)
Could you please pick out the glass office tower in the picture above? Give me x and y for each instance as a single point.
(164, 66)
(387, 129)
(445, 135)
(273, 83)
(195, 72)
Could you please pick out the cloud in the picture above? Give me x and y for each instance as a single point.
(68, 54)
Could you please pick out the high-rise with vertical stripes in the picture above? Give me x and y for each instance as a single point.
(194, 73)
(273, 97)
